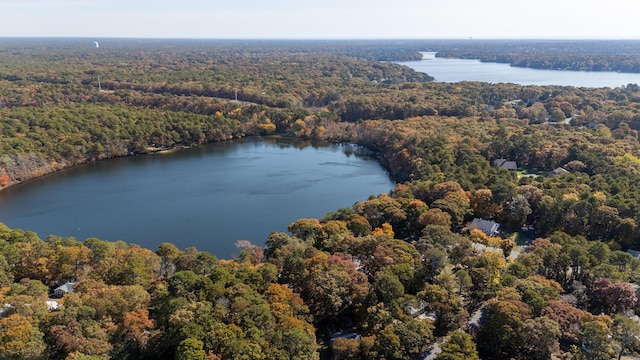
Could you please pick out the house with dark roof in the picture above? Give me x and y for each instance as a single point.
(488, 227)
(505, 164)
(6, 309)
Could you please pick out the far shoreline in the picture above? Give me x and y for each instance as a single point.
(148, 151)
(170, 150)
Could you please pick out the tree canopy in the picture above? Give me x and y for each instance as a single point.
(389, 277)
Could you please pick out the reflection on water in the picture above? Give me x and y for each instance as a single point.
(207, 197)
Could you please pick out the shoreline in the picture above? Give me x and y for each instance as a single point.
(170, 150)
(119, 183)
(53, 169)
(166, 150)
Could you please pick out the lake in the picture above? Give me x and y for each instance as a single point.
(455, 70)
(208, 197)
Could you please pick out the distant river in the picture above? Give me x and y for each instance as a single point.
(455, 70)
(207, 197)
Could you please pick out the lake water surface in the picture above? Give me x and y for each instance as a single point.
(455, 70)
(207, 197)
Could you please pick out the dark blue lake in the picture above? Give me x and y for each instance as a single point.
(208, 197)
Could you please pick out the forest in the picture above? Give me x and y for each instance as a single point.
(395, 276)
(576, 55)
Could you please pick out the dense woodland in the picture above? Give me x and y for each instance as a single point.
(578, 55)
(389, 278)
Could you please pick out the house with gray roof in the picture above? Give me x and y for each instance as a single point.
(505, 164)
(488, 227)
(634, 253)
(63, 289)
(560, 171)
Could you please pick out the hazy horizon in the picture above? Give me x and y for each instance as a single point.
(326, 20)
(322, 39)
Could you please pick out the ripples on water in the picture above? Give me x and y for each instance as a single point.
(207, 197)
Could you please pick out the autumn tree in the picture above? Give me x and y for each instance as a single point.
(610, 298)
(191, 349)
(307, 229)
(358, 225)
(298, 338)
(517, 211)
(435, 217)
(343, 348)
(6, 277)
(131, 265)
(447, 306)
(333, 286)
(20, 338)
(458, 346)
(536, 291)
(434, 260)
(596, 339)
(540, 338)
(441, 190)
(169, 254)
(482, 204)
(388, 287)
(402, 340)
(626, 331)
(136, 327)
(455, 204)
(568, 317)
(504, 324)
(380, 210)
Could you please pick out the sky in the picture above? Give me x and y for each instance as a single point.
(322, 19)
